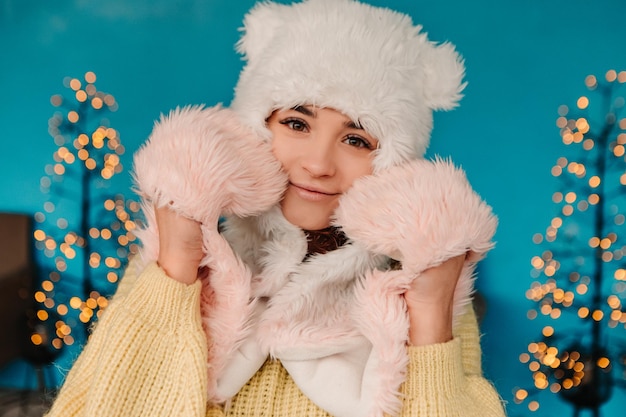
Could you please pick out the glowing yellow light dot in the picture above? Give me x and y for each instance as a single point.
(597, 315)
(62, 309)
(83, 139)
(90, 77)
(582, 102)
(75, 84)
(611, 75)
(613, 301)
(619, 150)
(616, 315)
(583, 312)
(47, 285)
(81, 95)
(583, 126)
(567, 210)
(96, 103)
(106, 234)
(36, 339)
(112, 277)
(90, 163)
(106, 173)
(109, 205)
(594, 181)
(40, 297)
(605, 243)
(541, 383)
(591, 81)
(593, 199)
(75, 303)
(568, 383)
(42, 315)
(594, 242)
(603, 362)
(521, 394)
(568, 138)
(548, 331)
(91, 303)
(39, 235)
(59, 169)
(72, 116)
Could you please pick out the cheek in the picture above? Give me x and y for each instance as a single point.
(282, 153)
(356, 169)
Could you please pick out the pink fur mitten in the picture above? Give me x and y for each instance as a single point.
(420, 213)
(202, 163)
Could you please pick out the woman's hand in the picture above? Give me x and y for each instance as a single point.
(180, 245)
(430, 301)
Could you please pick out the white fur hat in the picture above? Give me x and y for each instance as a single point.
(370, 63)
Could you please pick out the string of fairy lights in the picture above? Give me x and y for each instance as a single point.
(581, 272)
(84, 232)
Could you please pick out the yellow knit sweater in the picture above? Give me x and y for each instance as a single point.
(148, 357)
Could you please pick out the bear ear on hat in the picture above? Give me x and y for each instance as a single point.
(259, 28)
(443, 76)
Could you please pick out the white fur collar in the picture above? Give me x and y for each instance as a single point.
(315, 316)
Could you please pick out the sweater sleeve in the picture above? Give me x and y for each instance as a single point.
(445, 379)
(146, 356)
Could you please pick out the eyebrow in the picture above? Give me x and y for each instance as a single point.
(308, 112)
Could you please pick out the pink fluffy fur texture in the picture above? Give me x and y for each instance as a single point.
(203, 163)
(420, 213)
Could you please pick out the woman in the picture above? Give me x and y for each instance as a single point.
(336, 298)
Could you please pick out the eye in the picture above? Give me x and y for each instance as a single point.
(357, 142)
(296, 124)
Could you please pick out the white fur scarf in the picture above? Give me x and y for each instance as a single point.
(335, 321)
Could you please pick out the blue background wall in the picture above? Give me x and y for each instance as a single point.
(524, 58)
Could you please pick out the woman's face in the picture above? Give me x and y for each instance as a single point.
(323, 152)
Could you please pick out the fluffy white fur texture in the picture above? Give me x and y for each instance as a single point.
(203, 163)
(420, 213)
(370, 63)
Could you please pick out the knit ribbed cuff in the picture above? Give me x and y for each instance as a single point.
(162, 301)
(434, 370)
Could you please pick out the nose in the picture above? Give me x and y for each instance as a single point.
(318, 158)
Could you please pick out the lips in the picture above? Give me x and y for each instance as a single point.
(311, 193)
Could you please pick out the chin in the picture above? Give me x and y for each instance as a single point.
(306, 220)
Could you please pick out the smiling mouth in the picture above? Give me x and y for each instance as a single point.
(311, 194)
